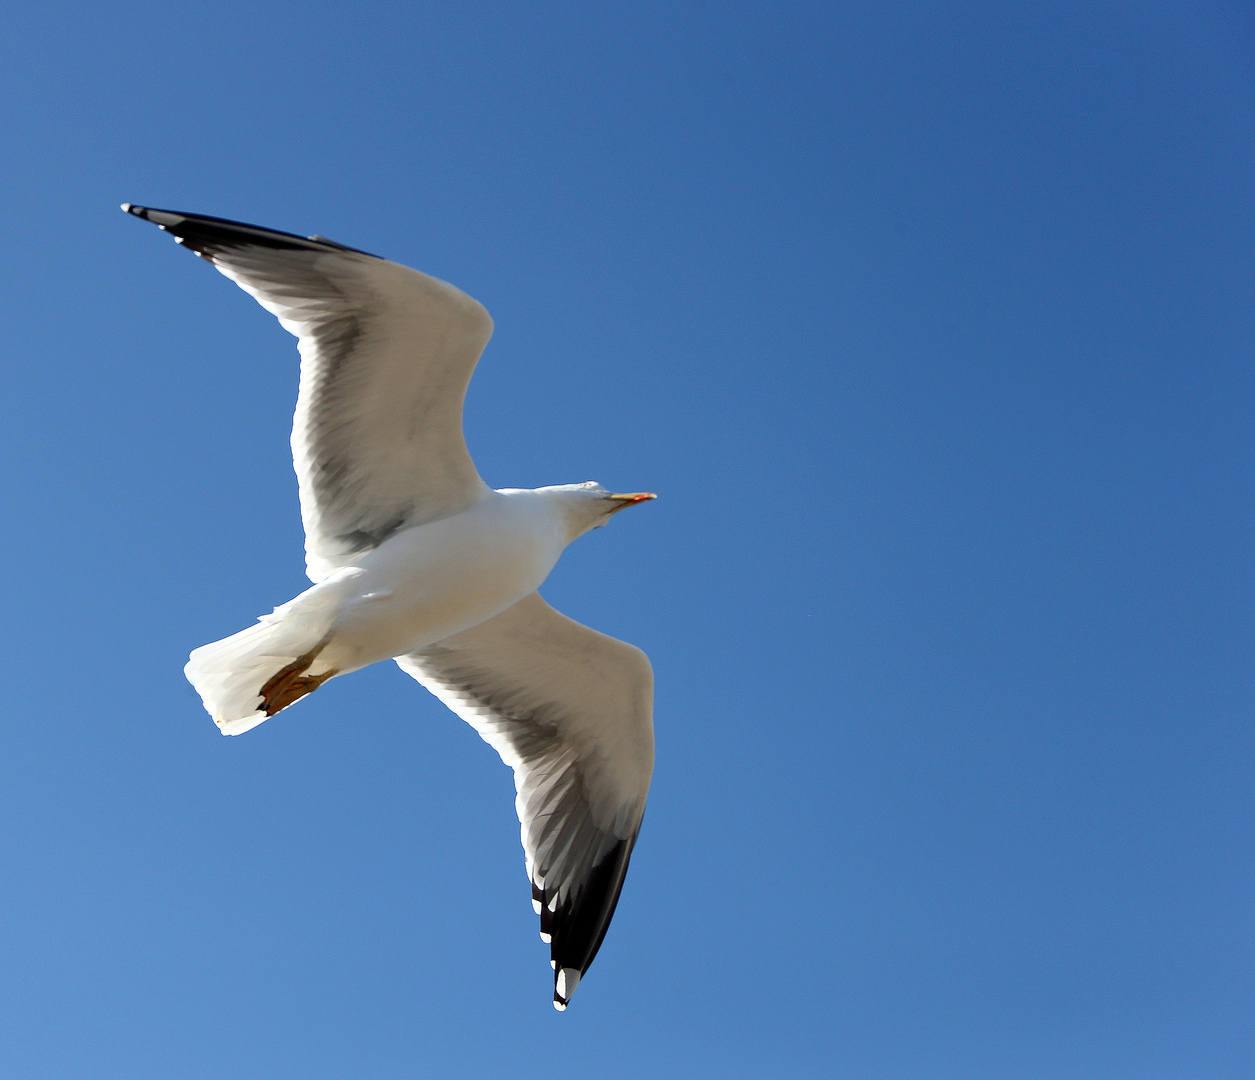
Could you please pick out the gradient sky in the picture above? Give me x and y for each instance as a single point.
(930, 324)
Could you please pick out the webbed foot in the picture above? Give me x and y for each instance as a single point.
(289, 684)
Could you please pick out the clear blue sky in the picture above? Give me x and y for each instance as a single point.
(929, 322)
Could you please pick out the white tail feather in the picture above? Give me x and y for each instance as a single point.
(229, 674)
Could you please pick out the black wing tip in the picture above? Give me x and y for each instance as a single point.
(577, 928)
(198, 231)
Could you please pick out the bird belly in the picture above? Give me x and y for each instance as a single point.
(438, 579)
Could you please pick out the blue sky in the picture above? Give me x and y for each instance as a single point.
(930, 324)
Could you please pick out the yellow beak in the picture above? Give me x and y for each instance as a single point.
(631, 499)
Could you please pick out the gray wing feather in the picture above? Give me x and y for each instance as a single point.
(386, 356)
(569, 710)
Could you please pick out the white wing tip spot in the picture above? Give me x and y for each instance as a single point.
(568, 980)
(546, 938)
(536, 906)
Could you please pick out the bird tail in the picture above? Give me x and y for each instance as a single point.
(248, 677)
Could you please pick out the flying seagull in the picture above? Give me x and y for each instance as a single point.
(413, 557)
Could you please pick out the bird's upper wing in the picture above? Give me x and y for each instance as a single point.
(386, 355)
(570, 711)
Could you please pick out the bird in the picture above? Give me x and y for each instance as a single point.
(415, 558)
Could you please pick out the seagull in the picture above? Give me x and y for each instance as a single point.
(414, 558)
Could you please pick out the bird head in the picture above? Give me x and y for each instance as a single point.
(590, 506)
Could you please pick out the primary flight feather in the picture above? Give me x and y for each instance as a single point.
(413, 557)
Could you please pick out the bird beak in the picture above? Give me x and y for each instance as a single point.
(631, 499)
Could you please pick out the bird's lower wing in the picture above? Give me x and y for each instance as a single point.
(570, 711)
(386, 355)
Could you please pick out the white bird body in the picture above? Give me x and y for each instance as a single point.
(420, 586)
(434, 580)
(415, 558)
